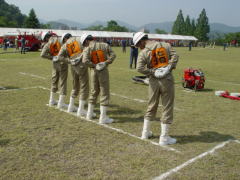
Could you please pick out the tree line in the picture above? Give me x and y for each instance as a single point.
(199, 29)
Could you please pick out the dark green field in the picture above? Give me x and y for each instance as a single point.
(39, 142)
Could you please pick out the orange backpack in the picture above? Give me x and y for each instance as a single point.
(73, 48)
(97, 56)
(55, 48)
(159, 58)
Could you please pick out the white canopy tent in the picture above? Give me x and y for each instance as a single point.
(99, 34)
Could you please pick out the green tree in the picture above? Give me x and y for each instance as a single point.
(32, 20)
(202, 27)
(45, 26)
(113, 26)
(179, 24)
(160, 31)
(188, 26)
(193, 27)
(232, 36)
(10, 15)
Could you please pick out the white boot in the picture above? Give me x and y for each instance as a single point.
(52, 101)
(71, 107)
(146, 133)
(165, 139)
(104, 119)
(81, 111)
(90, 111)
(61, 103)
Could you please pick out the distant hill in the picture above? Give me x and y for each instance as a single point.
(72, 23)
(223, 28)
(58, 25)
(166, 26)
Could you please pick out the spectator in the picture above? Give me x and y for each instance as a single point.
(190, 46)
(23, 42)
(124, 44)
(133, 55)
(5, 44)
(16, 43)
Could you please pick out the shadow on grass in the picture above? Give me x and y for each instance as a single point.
(8, 87)
(207, 137)
(125, 114)
(206, 90)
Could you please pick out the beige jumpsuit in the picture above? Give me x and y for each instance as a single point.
(158, 88)
(68, 53)
(99, 79)
(59, 69)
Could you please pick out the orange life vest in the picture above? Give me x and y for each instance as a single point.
(55, 48)
(97, 56)
(159, 58)
(73, 48)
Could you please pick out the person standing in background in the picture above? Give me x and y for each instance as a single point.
(124, 44)
(133, 55)
(23, 42)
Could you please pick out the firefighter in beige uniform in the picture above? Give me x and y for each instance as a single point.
(71, 52)
(156, 60)
(98, 56)
(59, 70)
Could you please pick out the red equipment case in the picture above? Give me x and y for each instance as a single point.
(193, 79)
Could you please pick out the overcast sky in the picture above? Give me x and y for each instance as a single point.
(135, 12)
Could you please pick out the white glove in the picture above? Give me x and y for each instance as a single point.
(75, 61)
(100, 66)
(162, 72)
(55, 58)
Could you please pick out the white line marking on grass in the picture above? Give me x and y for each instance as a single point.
(113, 94)
(32, 75)
(139, 100)
(176, 169)
(116, 129)
(237, 141)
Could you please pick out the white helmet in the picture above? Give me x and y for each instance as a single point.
(84, 37)
(44, 34)
(137, 37)
(65, 35)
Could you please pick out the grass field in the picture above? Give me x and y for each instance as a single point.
(39, 142)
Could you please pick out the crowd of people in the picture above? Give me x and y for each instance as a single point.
(14, 43)
(156, 60)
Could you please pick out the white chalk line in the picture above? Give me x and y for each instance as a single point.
(237, 141)
(106, 126)
(139, 100)
(118, 130)
(113, 94)
(176, 169)
(32, 75)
